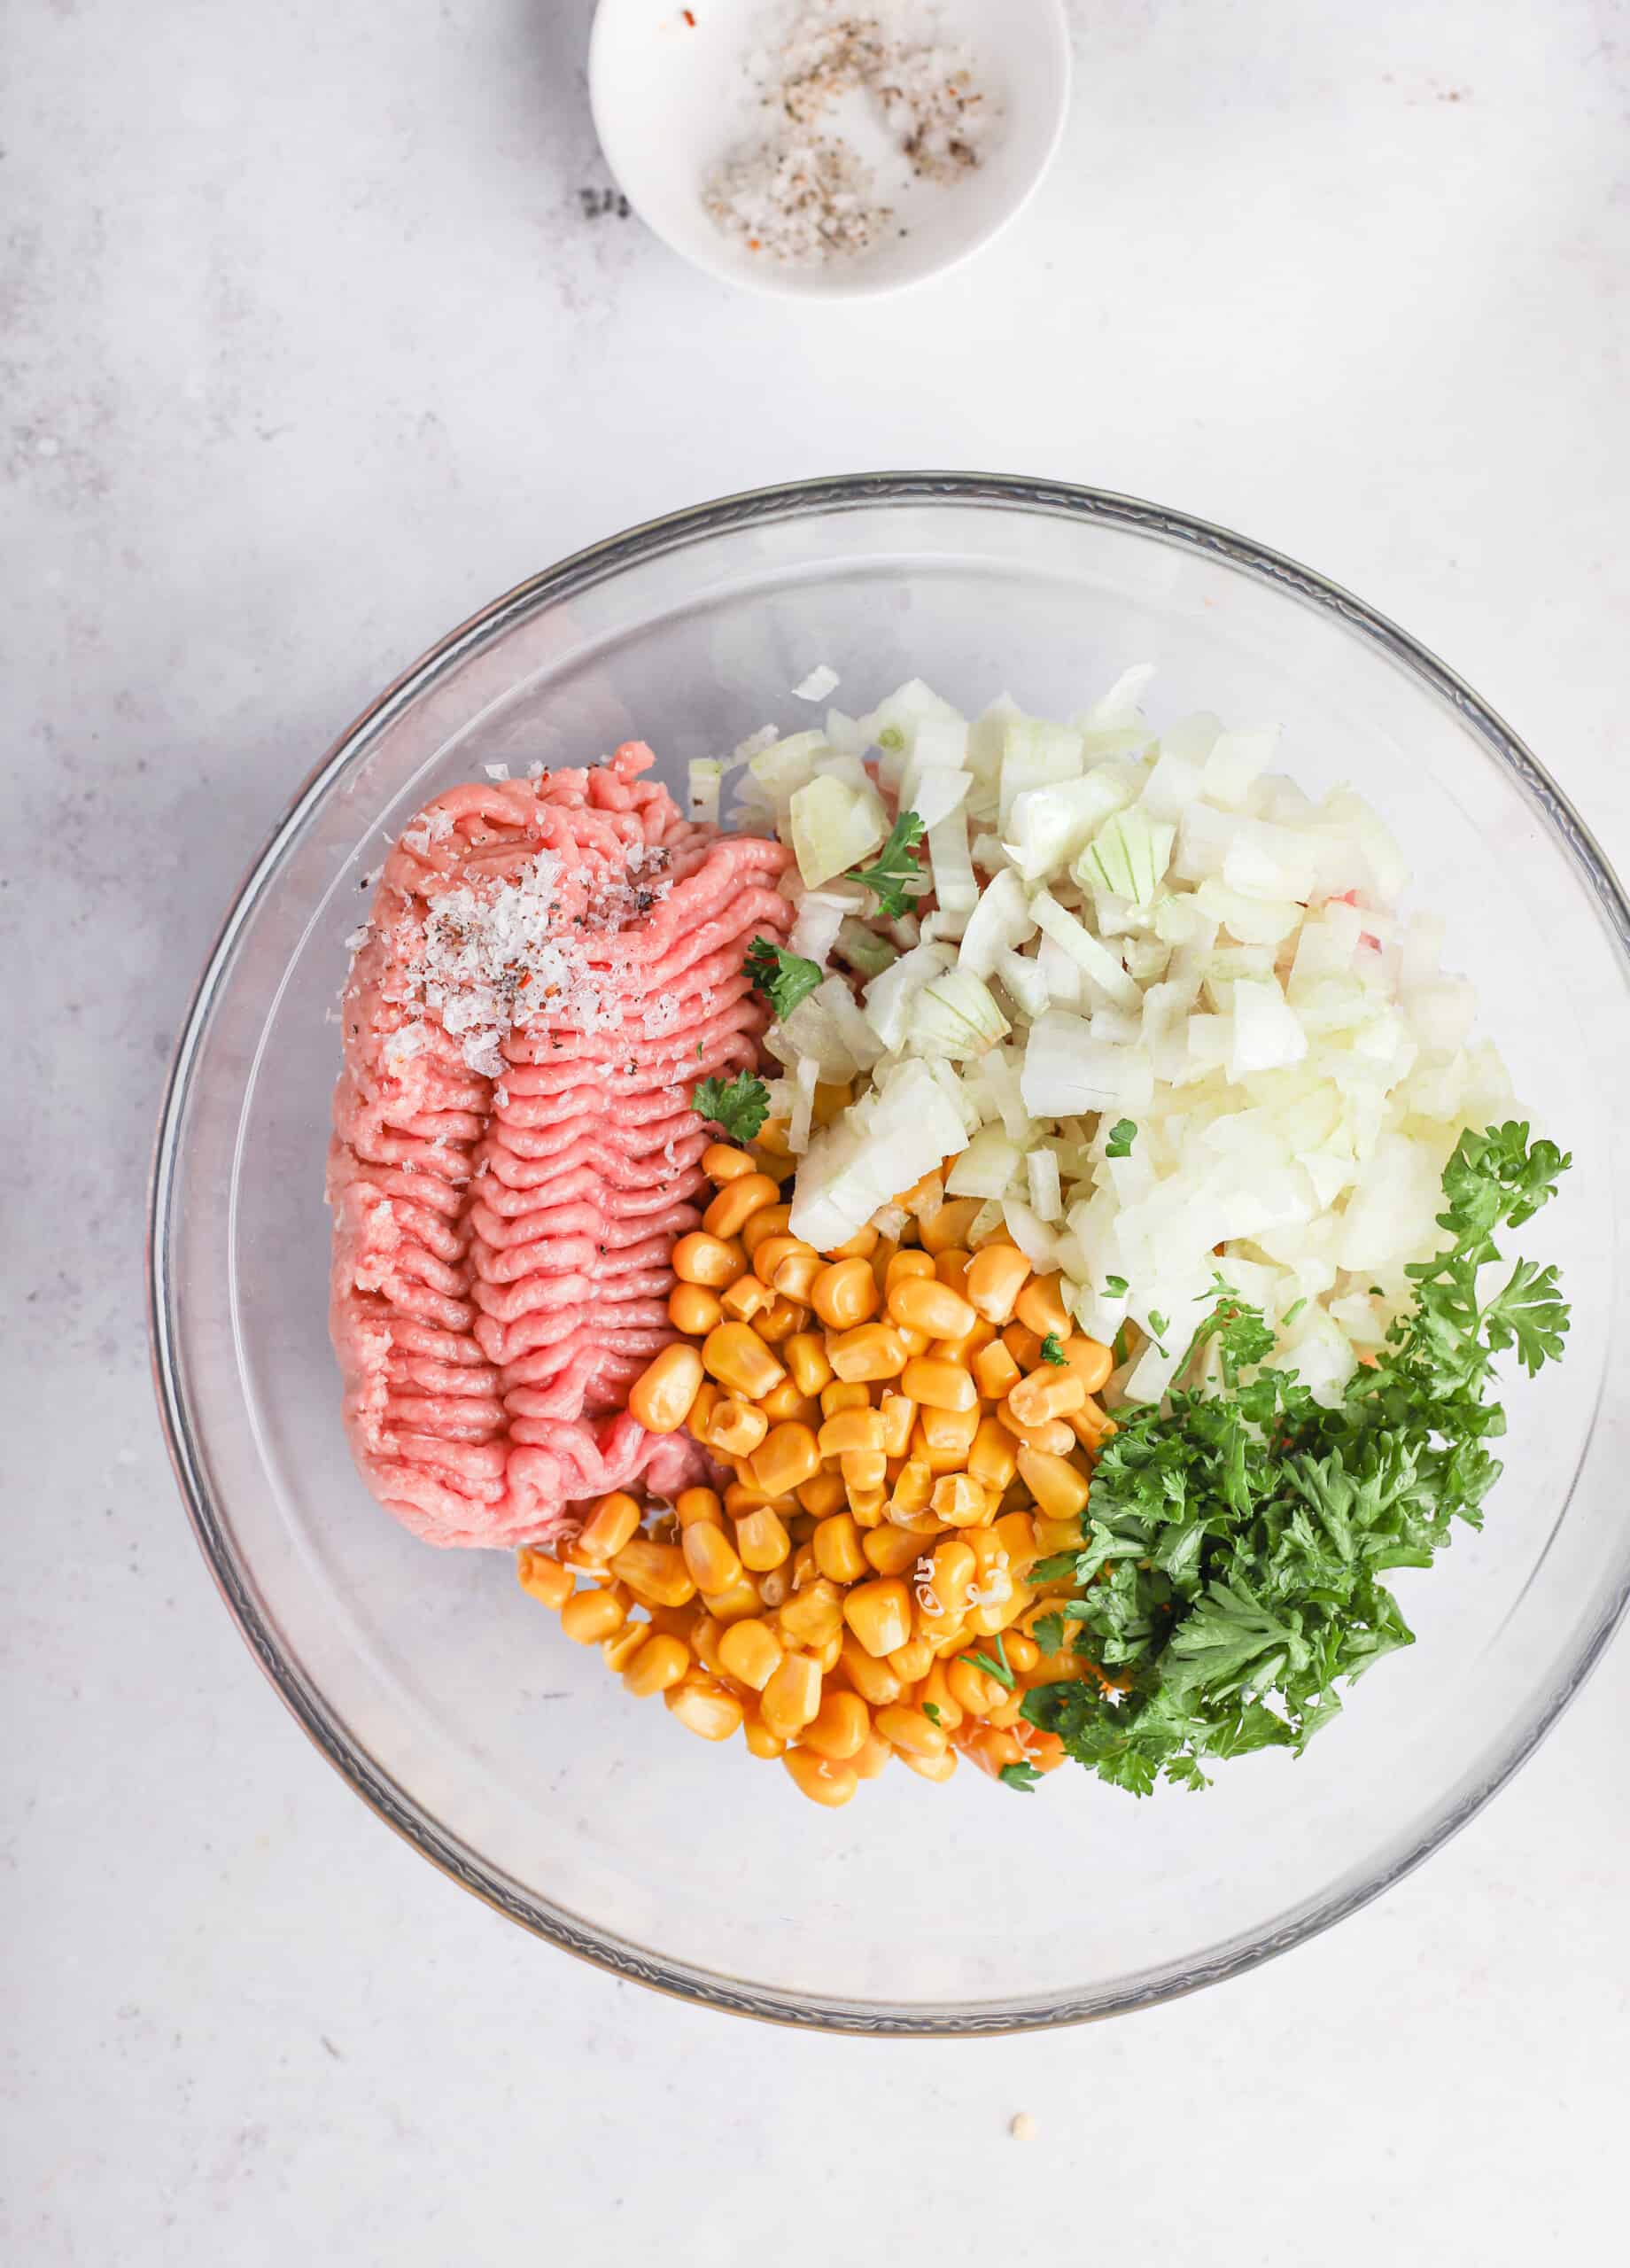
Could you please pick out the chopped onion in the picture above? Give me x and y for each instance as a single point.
(1044, 828)
(884, 1142)
(867, 952)
(955, 1015)
(835, 826)
(1094, 960)
(1001, 919)
(889, 997)
(704, 778)
(821, 681)
(988, 1167)
(1046, 1198)
(954, 882)
(1128, 855)
(1035, 754)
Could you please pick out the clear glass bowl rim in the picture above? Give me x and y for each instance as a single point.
(789, 502)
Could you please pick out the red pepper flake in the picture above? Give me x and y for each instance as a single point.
(689, 17)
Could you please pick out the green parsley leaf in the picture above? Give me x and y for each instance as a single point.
(739, 1106)
(783, 978)
(1231, 1582)
(893, 868)
(997, 1670)
(1052, 1350)
(1122, 1134)
(1157, 1322)
(1294, 1309)
(930, 1710)
(1025, 1777)
(1116, 1287)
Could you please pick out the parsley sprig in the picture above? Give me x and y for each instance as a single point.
(895, 869)
(738, 1105)
(783, 978)
(1232, 1572)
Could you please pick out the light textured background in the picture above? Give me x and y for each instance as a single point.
(306, 348)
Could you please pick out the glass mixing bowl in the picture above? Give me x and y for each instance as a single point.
(451, 1701)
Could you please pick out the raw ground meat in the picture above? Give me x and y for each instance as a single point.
(508, 1182)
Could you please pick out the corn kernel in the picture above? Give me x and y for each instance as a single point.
(823, 1495)
(780, 1321)
(898, 1414)
(713, 1564)
(735, 1428)
(872, 1758)
(787, 1457)
(812, 1615)
(958, 1501)
(792, 1695)
(721, 1163)
(761, 1741)
(543, 1578)
(658, 1663)
(751, 1652)
(1059, 1490)
(712, 1261)
(746, 1299)
(852, 1429)
(996, 1275)
(706, 1710)
(770, 1221)
(805, 1357)
(938, 1769)
(912, 1489)
(939, 1386)
(904, 1265)
(913, 1661)
(844, 1295)
(947, 1230)
(907, 1729)
(1047, 1393)
(944, 1437)
(784, 1405)
(738, 1359)
(737, 1202)
(879, 1612)
(874, 1350)
(654, 1572)
(619, 1649)
(592, 1615)
(840, 1727)
(1023, 1344)
(993, 1456)
(843, 1395)
(691, 1307)
(762, 1540)
(874, 1681)
(923, 1303)
(1091, 1361)
(837, 1549)
(820, 1778)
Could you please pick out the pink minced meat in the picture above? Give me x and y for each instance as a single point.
(509, 1174)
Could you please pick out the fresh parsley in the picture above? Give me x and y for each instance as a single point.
(999, 1669)
(930, 1710)
(738, 1105)
(783, 978)
(1053, 1350)
(1232, 1577)
(1025, 1777)
(894, 869)
(1122, 1134)
(1116, 1287)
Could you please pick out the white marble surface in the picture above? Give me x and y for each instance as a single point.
(308, 348)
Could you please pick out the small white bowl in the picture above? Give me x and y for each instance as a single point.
(670, 97)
